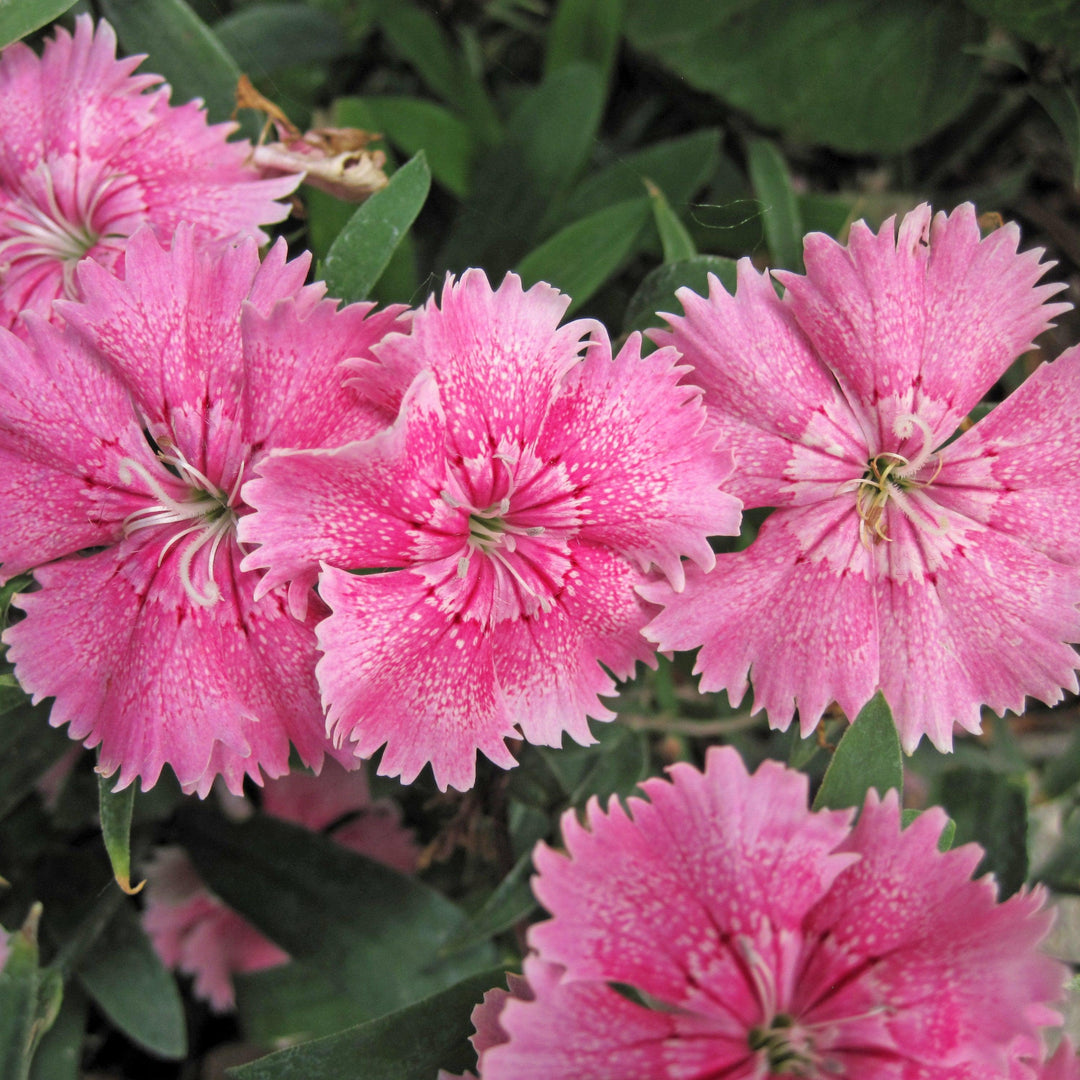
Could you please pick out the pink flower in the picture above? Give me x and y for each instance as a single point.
(89, 155)
(520, 497)
(195, 931)
(721, 929)
(943, 573)
(131, 432)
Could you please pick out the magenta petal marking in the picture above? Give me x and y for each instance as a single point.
(400, 672)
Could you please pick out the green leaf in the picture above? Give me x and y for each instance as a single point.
(991, 809)
(679, 167)
(772, 184)
(857, 75)
(124, 976)
(1062, 771)
(115, 809)
(366, 939)
(265, 37)
(585, 31)
(417, 36)
(29, 1000)
(410, 1044)
(868, 756)
(948, 834)
(515, 188)
(359, 255)
(412, 125)
(657, 290)
(1061, 871)
(21, 17)
(581, 257)
(511, 902)
(59, 1054)
(28, 746)
(182, 48)
(674, 239)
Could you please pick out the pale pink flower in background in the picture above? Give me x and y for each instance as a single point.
(528, 484)
(196, 932)
(943, 573)
(752, 937)
(131, 431)
(90, 153)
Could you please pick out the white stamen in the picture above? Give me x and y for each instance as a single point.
(904, 426)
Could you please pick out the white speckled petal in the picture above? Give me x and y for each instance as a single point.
(1015, 470)
(353, 507)
(987, 625)
(795, 612)
(931, 315)
(962, 970)
(548, 665)
(156, 680)
(400, 672)
(633, 440)
(658, 900)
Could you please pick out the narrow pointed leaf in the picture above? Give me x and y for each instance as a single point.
(265, 37)
(779, 207)
(511, 902)
(115, 808)
(29, 1000)
(362, 250)
(581, 257)
(656, 292)
(674, 239)
(869, 756)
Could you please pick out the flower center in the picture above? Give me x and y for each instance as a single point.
(890, 478)
(208, 515)
(38, 229)
(786, 1047)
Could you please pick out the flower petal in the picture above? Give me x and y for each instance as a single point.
(795, 610)
(400, 672)
(548, 665)
(158, 681)
(930, 316)
(632, 439)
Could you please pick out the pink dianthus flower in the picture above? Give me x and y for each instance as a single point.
(195, 931)
(751, 937)
(90, 154)
(943, 573)
(528, 484)
(130, 431)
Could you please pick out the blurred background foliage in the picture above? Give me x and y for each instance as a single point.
(619, 149)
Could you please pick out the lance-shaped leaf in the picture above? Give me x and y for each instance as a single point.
(115, 809)
(21, 17)
(362, 250)
(779, 206)
(868, 756)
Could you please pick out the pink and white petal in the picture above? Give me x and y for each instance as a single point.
(633, 440)
(756, 366)
(399, 671)
(548, 664)
(499, 353)
(169, 331)
(587, 1031)
(961, 970)
(65, 430)
(711, 858)
(294, 353)
(930, 316)
(1010, 471)
(987, 622)
(354, 507)
(796, 611)
(156, 681)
